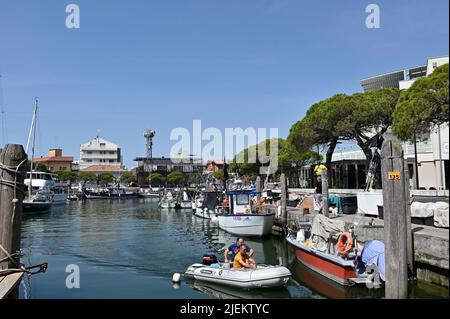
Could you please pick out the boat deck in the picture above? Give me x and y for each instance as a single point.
(8, 283)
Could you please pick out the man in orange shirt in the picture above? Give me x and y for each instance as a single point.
(242, 260)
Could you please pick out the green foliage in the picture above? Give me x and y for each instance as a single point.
(423, 105)
(176, 178)
(218, 175)
(86, 177)
(248, 160)
(65, 176)
(128, 177)
(158, 179)
(105, 178)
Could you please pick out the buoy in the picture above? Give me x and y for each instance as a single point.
(176, 278)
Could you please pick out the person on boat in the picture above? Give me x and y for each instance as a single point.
(243, 260)
(233, 250)
(319, 169)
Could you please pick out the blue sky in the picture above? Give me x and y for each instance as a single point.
(160, 64)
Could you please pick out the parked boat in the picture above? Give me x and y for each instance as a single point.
(40, 196)
(183, 201)
(197, 201)
(150, 193)
(240, 216)
(332, 252)
(167, 201)
(38, 202)
(109, 193)
(264, 276)
(209, 206)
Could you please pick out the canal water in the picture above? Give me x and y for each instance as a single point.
(131, 249)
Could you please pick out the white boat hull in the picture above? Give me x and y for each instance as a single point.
(247, 224)
(264, 276)
(205, 213)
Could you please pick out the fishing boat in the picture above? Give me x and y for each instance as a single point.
(264, 276)
(183, 201)
(241, 217)
(209, 207)
(109, 193)
(334, 253)
(167, 200)
(197, 201)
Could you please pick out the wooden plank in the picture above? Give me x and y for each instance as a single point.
(8, 283)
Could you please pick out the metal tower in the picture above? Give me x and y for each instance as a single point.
(149, 152)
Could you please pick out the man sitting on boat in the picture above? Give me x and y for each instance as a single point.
(234, 250)
(243, 260)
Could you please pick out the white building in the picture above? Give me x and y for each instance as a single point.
(432, 152)
(99, 152)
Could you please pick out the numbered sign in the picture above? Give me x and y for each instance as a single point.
(394, 176)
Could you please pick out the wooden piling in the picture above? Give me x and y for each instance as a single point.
(325, 207)
(409, 235)
(395, 229)
(284, 196)
(11, 201)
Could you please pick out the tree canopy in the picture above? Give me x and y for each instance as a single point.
(128, 177)
(176, 178)
(157, 179)
(87, 177)
(105, 178)
(423, 105)
(65, 176)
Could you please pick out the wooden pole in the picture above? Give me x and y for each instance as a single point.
(284, 195)
(325, 207)
(409, 235)
(395, 230)
(11, 207)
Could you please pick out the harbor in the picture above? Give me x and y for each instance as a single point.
(202, 150)
(142, 246)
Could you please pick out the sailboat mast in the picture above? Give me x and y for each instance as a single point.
(32, 131)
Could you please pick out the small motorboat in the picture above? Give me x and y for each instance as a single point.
(264, 276)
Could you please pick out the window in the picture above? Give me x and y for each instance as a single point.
(111, 161)
(89, 161)
(88, 152)
(242, 199)
(111, 152)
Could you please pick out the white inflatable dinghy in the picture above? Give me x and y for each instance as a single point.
(264, 276)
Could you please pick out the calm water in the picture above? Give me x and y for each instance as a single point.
(130, 249)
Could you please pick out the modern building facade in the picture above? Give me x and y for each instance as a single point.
(432, 150)
(100, 152)
(56, 161)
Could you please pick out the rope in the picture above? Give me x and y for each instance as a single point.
(10, 257)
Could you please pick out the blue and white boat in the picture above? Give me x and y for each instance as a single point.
(240, 216)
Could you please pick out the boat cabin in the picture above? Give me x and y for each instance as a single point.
(240, 201)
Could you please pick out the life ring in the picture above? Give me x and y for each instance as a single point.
(345, 244)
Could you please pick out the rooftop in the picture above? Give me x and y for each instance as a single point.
(54, 159)
(103, 169)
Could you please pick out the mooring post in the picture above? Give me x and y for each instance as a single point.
(258, 187)
(325, 207)
(409, 235)
(395, 229)
(11, 201)
(284, 196)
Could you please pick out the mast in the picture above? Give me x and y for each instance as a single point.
(32, 131)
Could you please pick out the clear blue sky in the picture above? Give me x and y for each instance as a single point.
(160, 64)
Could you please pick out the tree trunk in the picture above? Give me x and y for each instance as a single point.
(329, 156)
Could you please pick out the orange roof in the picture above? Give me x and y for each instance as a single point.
(54, 159)
(103, 168)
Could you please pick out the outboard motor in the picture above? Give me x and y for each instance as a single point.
(209, 259)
